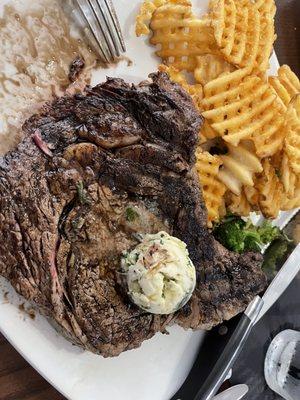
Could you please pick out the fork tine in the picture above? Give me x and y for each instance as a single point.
(107, 35)
(116, 26)
(94, 32)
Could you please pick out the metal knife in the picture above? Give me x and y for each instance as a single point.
(236, 392)
(256, 309)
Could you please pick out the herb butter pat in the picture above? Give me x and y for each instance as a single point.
(160, 275)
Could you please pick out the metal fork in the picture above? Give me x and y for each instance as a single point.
(99, 20)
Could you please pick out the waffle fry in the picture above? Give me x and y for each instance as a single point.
(210, 67)
(238, 169)
(195, 91)
(245, 31)
(292, 141)
(144, 17)
(270, 190)
(181, 36)
(288, 177)
(246, 109)
(286, 84)
(207, 132)
(289, 80)
(269, 140)
(236, 32)
(213, 190)
(290, 204)
(267, 37)
(238, 205)
(252, 196)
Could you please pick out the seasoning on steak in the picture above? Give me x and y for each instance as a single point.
(65, 196)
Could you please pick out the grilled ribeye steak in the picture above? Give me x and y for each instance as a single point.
(65, 198)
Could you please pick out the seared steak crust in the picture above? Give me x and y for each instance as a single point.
(64, 196)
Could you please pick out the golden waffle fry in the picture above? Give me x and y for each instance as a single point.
(269, 140)
(210, 67)
(246, 109)
(236, 28)
(245, 31)
(239, 167)
(276, 159)
(286, 84)
(181, 36)
(267, 37)
(288, 178)
(213, 190)
(238, 205)
(270, 190)
(292, 141)
(207, 132)
(289, 80)
(294, 202)
(195, 91)
(144, 17)
(252, 196)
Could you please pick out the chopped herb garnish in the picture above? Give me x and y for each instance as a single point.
(131, 214)
(81, 193)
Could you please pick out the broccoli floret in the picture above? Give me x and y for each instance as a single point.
(274, 254)
(238, 235)
(268, 233)
(230, 233)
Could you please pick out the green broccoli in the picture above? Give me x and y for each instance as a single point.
(239, 235)
(275, 253)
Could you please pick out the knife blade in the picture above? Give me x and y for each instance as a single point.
(236, 392)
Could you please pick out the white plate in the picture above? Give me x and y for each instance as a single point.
(152, 372)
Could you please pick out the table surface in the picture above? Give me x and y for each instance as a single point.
(19, 381)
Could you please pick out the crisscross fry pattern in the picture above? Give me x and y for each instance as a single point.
(286, 85)
(242, 108)
(209, 67)
(213, 190)
(180, 35)
(270, 190)
(288, 178)
(244, 30)
(267, 37)
(292, 141)
(144, 17)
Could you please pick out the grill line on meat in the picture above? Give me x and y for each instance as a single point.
(64, 193)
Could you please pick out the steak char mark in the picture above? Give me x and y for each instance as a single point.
(65, 198)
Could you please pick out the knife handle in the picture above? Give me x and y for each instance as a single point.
(231, 351)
